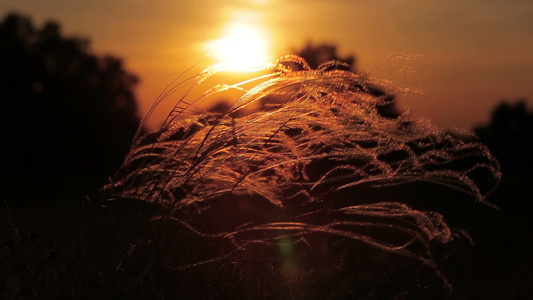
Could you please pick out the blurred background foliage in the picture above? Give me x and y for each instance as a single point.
(67, 116)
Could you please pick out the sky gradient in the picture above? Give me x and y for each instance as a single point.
(472, 54)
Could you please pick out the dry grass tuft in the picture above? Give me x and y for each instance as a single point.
(292, 173)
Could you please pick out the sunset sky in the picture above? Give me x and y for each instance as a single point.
(472, 54)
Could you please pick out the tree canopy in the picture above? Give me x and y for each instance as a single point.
(509, 135)
(65, 112)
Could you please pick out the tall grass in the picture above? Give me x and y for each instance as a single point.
(298, 175)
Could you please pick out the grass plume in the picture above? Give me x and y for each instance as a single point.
(294, 172)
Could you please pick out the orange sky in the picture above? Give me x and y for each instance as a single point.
(474, 53)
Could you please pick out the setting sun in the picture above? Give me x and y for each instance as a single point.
(244, 48)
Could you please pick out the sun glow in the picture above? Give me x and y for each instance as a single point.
(244, 48)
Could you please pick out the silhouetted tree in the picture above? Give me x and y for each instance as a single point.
(317, 55)
(64, 112)
(509, 135)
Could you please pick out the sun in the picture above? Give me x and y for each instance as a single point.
(243, 48)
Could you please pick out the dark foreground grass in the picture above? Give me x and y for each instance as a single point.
(319, 197)
(66, 251)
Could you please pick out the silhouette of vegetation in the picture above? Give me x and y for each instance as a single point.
(65, 112)
(509, 135)
(323, 53)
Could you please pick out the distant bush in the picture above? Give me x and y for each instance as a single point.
(509, 135)
(65, 113)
